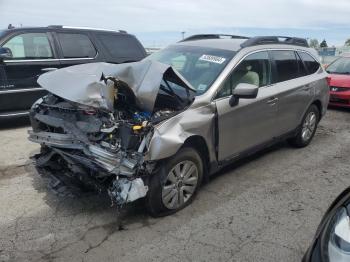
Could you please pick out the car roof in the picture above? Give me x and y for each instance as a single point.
(60, 27)
(235, 45)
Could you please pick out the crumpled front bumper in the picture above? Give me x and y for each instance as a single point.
(70, 162)
(93, 156)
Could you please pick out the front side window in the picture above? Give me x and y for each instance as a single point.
(30, 46)
(286, 65)
(76, 46)
(255, 69)
(340, 66)
(200, 66)
(311, 64)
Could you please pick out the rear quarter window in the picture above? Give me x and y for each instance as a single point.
(311, 64)
(303, 71)
(121, 47)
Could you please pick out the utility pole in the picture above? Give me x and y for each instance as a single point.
(183, 35)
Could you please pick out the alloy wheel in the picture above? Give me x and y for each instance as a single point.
(180, 184)
(309, 126)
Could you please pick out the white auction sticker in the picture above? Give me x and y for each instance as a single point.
(213, 59)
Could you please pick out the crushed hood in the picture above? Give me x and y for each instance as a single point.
(84, 84)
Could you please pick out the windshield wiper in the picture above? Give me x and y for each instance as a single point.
(170, 91)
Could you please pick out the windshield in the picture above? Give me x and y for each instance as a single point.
(340, 66)
(326, 60)
(200, 66)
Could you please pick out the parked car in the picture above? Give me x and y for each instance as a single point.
(327, 60)
(332, 239)
(26, 53)
(158, 127)
(339, 82)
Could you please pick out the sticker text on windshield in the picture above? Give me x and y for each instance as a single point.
(213, 59)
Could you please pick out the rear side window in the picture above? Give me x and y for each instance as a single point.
(311, 64)
(286, 65)
(76, 46)
(122, 48)
(30, 46)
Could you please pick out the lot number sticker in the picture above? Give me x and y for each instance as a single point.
(213, 59)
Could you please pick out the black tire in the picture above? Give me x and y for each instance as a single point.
(298, 141)
(154, 200)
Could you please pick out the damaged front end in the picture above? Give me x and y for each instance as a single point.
(97, 121)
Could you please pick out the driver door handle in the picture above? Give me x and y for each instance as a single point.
(272, 101)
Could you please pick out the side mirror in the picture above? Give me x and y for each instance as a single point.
(5, 53)
(242, 90)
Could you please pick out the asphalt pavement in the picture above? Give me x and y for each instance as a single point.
(265, 208)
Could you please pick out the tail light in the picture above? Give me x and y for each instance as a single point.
(328, 80)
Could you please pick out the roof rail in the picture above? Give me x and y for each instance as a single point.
(213, 36)
(284, 40)
(55, 26)
(85, 28)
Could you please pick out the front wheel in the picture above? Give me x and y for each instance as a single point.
(175, 184)
(308, 128)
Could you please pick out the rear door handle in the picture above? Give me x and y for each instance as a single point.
(272, 101)
(49, 69)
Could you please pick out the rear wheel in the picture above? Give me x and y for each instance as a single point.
(174, 186)
(308, 128)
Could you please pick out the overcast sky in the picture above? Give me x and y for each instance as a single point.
(159, 22)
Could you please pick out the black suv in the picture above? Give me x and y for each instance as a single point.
(25, 53)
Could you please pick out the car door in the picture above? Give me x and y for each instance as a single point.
(33, 53)
(3, 78)
(76, 48)
(295, 89)
(252, 121)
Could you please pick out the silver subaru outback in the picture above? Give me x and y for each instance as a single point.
(155, 129)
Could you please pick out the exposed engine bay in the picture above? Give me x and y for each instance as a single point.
(98, 139)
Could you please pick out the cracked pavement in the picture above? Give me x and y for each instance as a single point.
(265, 208)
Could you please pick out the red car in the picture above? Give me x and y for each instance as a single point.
(339, 82)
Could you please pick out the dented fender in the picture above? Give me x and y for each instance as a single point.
(170, 135)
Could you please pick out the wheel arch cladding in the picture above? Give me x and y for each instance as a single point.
(199, 144)
(318, 103)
